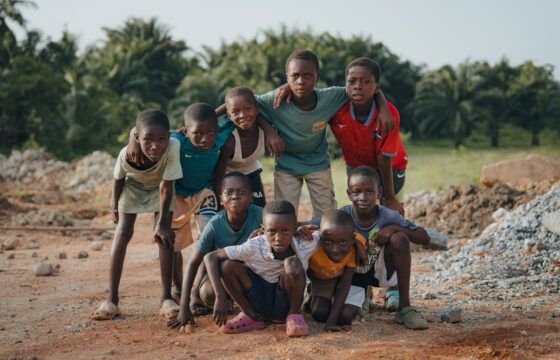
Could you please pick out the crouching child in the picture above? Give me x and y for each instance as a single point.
(265, 275)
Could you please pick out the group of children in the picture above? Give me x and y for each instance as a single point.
(255, 253)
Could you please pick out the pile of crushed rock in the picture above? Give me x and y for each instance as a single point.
(35, 167)
(465, 211)
(517, 256)
(43, 217)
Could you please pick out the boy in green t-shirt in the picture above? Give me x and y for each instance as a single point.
(302, 123)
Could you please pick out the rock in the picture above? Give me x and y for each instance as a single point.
(428, 295)
(499, 214)
(452, 315)
(11, 256)
(528, 244)
(62, 255)
(33, 246)
(540, 246)
(551, 221)
(34, 255)
(438, 241)
(82, 255)
(534, 168)
(10, 244)
(43, 269)
(96, 245)
(523, 333)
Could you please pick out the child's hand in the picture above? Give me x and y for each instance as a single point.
(386, 121)
(382, 237)
(115, 216)
(282, 92)
(181, 320)
(220, 312)
(182, 131)
(275, 145)
(361, 254)
(164, 236)
(256, 232)
(305, 231)
(394, 204)
(134, 153)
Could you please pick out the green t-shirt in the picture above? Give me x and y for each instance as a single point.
(218, 234)
(304, 132)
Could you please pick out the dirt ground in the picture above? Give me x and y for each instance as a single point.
(48, 317)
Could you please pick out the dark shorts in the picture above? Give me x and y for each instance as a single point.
(398, 179)
(269, 300)
(257, 188)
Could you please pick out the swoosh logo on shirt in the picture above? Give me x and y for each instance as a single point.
(187, 155)
(400, 175)
(341, 125)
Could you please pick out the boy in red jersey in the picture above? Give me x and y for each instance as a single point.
(354, 127)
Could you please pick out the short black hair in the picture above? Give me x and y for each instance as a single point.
(303, 54)
(338, 217)
(152, 117)
(238, 174)
(368, 63)
(365, 171)
(200, 112)
(280, 207)
(241, 91)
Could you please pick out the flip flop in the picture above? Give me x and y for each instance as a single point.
(296, 326)
(392, 299)
(106, 311)
(241, 323)
(169, 309)
(176, 296)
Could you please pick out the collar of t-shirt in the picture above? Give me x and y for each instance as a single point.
(370, 116)
(269, 254)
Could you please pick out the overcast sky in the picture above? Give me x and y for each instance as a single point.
(423, 31)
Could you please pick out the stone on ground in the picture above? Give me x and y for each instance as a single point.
(452, 315)
(43, 269)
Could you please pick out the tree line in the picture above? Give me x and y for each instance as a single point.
(72, 103)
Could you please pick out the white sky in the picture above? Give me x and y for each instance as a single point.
(423, 31)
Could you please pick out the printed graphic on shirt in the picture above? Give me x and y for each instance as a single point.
(373, 251)
(319, 126)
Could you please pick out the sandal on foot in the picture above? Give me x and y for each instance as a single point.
(410, 318)
(106, 311)
(176, 296)
(241, 323)
(169, 309)
(296, 326)
(198, 307)
(392, 300)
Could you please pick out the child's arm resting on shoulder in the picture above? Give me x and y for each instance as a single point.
(418, 236)
(115, 195)
(282, 92)
(212, 261)
(274, 142)
(133, 152)
(185, 315)
(226, 153)
(386, 171)
(162, 232)
(386, 120)
(342, 289)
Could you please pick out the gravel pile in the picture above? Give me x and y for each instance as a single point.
(517, 256)
(36, 168)
(43, 217)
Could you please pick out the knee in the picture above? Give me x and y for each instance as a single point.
(320, 313)
(293, 267)
(124, 234)
(399, 242)
(207, 293)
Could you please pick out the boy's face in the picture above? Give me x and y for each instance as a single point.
(236, 195)
(302, 77)
(364, 192)
(153, 141)
(243, 111)
(360, 85)
(337, 239)
(202, 134)
(279, 230)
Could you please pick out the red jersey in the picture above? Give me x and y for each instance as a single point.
(361, 144)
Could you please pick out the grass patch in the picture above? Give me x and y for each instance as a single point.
(435, 165)
(23, 194)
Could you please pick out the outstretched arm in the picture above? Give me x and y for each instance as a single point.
(342, 289)
(162, 232)
(226, 153)
(418, 236)
(115, 195)
(212, 261)
(386, 171)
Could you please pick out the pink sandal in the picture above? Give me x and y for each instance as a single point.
(296, 326)
(241, 323)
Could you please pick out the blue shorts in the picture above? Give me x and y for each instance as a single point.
(269, 300)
